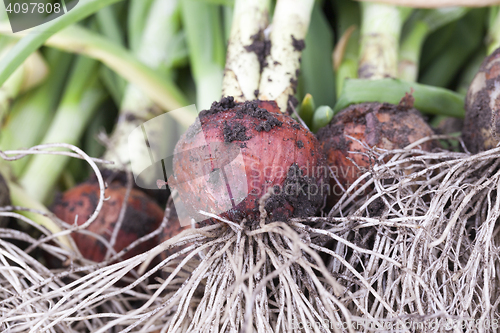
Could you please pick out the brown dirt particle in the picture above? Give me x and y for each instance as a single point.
(298, 44)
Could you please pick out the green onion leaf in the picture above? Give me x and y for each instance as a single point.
(428, 99)
(322, 117)
(316, 68)
(306, 111)
(39, 35)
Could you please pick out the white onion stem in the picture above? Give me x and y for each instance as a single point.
(289, 29)
(242, 71)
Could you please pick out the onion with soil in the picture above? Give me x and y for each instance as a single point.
(277, 154)
(361, 127)
(482, 124)
(142, 216)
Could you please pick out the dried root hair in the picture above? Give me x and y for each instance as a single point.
(421, 249)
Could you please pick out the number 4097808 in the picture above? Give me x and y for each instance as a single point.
(33, 7)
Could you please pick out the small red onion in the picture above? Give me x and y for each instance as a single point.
(385, 126)
(481, 129)
(275, 153)
(142, 216)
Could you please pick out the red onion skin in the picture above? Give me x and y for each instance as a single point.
(142, 216)
(385, 126)
(267, 154)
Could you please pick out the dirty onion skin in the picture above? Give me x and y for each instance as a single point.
(381, 125)
(142, 216)
(481, 129)
(278, 154)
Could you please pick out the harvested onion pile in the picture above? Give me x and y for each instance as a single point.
(310, 197)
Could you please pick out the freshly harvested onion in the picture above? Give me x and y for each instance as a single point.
(265, 150)
(385, 126)
(481, 129)
(142, 216)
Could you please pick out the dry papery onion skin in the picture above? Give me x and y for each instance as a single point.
(278, 155)
(482, 122)
(361, 127)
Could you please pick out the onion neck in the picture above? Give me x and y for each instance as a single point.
(380, 32)
(289, 29)
(242, 71)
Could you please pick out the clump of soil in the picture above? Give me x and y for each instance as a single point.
(261, 47)
(298, 44)
(299, 191)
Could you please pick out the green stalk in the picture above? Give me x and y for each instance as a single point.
(178, 54)
(381, 27)
(113, 83)
(316, 67)
(4, 40)
(436, 43)
(411, 47)
(466, 39)
(108, 24)
(81, 99)
(138, 13)
(202, 23)
(35, 107)
(307, 108)
(37, 37)
(322, 117)
(80, 40)
(30, 74)
(494, 30)
(428, 99)
(470, 71)
(346, 54)
(421, 24)
(228, 15)
(136, 108)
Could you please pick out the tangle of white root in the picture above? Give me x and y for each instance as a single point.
(419, 253)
